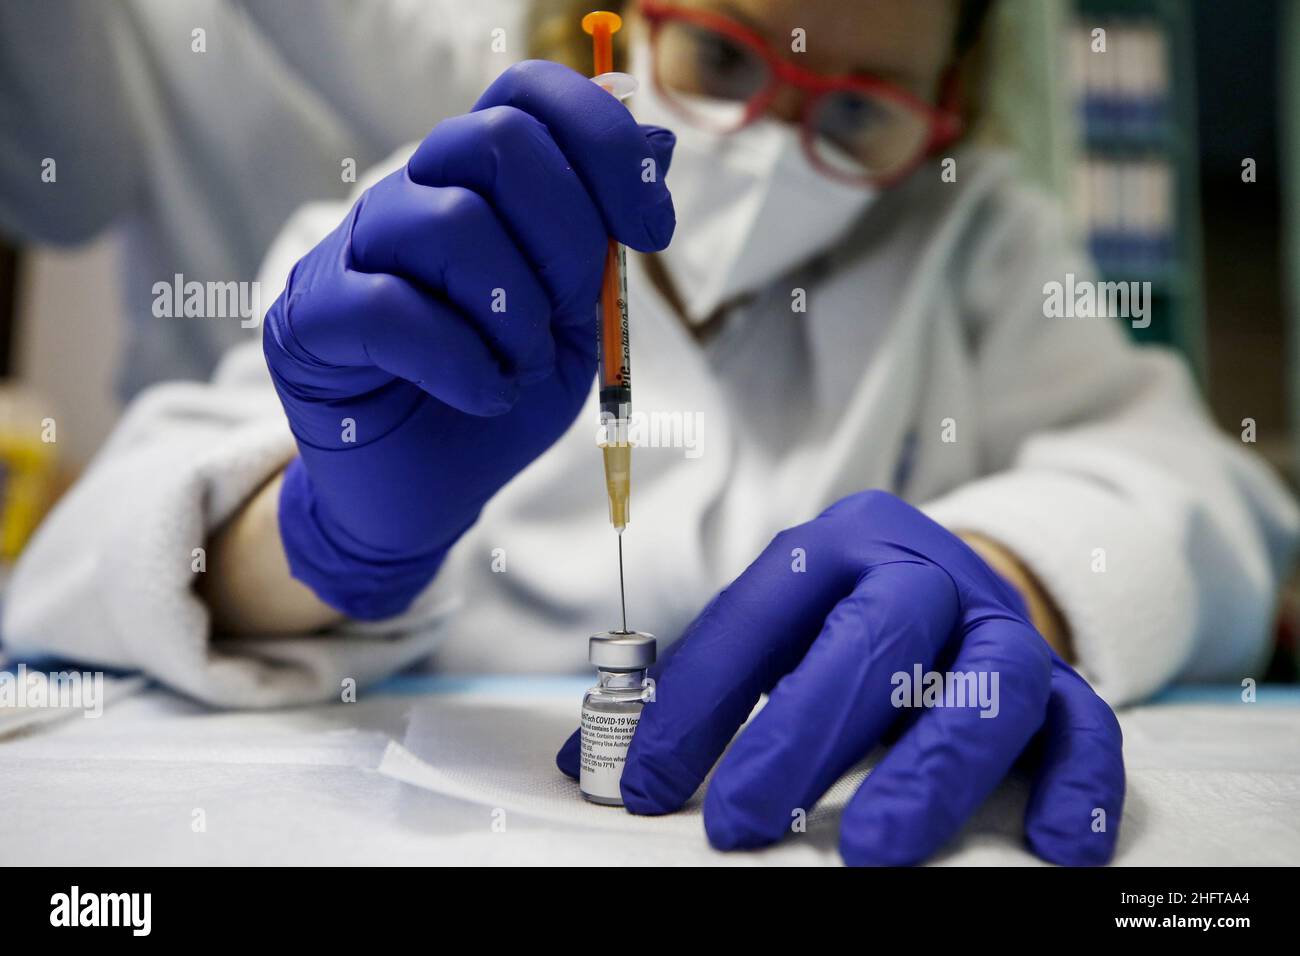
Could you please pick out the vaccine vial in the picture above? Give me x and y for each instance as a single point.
(612, 709)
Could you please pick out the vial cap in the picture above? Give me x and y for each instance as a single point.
(622, 651)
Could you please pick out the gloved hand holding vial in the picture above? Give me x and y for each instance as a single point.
(890, 592)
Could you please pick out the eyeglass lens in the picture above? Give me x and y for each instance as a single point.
(713, 77)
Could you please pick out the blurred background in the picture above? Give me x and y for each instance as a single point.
(1148, 145)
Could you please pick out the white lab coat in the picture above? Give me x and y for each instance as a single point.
(1161, 540)
(198, 126)
(1072, 447)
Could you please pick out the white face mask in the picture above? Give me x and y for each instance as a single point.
(750, 205)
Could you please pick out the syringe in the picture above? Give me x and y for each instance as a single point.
(612, 347)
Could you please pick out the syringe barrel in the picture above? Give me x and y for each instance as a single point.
(612, 349)
(611, 322)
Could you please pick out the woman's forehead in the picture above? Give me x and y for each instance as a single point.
(906, 40)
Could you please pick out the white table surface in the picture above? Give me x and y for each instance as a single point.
(1211, 780)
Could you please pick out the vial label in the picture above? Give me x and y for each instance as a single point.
(605, 739)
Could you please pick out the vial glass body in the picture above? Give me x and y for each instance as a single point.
(610, 713)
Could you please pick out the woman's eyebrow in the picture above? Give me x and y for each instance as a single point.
(740, 16)
(894, 75)
(890, 75)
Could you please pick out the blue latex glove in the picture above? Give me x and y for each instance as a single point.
(444, 335)
(885, 588)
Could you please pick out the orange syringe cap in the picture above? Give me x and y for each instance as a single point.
(601, 25)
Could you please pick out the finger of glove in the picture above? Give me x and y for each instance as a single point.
(608, 150)
(1074, 808)
(361, 321)
(450, 241)
(831, 710)
(951, 758)
(508, 157)
(752, 634)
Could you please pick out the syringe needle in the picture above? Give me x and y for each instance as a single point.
(622, 594)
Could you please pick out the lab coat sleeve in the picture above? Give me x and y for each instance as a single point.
(1162, 540)
(79, 119)
(108, 581)
(109, 578)
(438, 55)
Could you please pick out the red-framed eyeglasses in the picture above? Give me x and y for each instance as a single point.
(721, 75)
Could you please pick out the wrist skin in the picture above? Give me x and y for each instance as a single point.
(1043, 612)
(248, 587)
